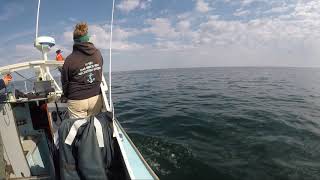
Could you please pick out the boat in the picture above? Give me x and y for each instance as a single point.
(29, 124)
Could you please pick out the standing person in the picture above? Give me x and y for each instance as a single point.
(5, 81)
(59, 56)
(81, 75)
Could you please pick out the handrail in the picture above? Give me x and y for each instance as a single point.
(30, 64)
(39, 65)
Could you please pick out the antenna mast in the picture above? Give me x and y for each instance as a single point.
(37, 23)
(110, 57)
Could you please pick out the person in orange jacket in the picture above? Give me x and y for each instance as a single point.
(5, 81)
(59, 56)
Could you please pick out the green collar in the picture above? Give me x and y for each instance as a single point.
(84, 38)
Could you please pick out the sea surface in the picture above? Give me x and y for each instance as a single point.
(223, 123)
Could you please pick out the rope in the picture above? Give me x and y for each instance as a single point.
(28, 79)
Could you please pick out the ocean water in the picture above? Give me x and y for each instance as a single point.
(223, 123)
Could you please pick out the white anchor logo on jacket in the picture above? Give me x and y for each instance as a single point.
(91, 79)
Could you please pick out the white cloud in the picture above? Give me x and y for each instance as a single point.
(202, 6)
(290, 40)
(308, 10)
(241, 12)
(68, 37)
(161, 27)
(27, 52)
(145, 4)
(183, 26)
(280, 9)
(248, 2)
(129, 5)
(301, 23)
(101, 38)
(99, 35)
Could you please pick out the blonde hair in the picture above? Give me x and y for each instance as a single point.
(80, 29)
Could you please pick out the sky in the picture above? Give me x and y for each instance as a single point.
(156, 34)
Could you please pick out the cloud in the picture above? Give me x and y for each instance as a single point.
(129, 5)
(145, 4)
(281, 9)
(68, 37)
(202, 6)
(289, 39)
(241, 12)
(307, 10)
(299, 24)
(183, 26)
(10, 10)
(27, 52)
(161, 27)
(100, 36)
(248, 2)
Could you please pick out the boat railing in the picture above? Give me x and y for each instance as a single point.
(28, 65)
(41, 67)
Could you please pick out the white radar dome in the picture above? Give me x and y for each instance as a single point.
(44, 43)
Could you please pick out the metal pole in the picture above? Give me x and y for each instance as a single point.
(37, 23)
(110, 57)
